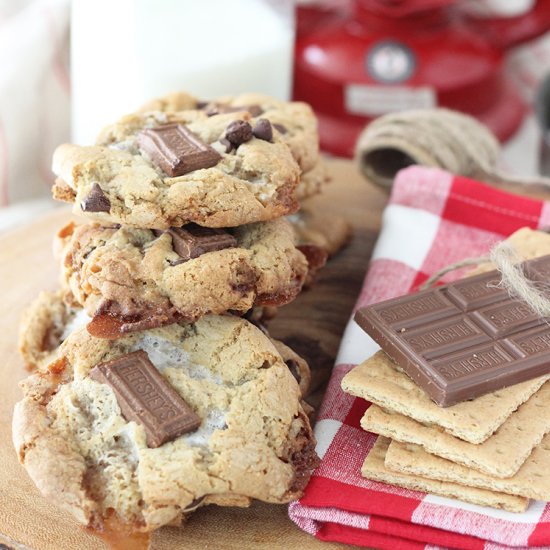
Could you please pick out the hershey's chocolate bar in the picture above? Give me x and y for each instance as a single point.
(145, 397)
(176, 150)
(463, 339)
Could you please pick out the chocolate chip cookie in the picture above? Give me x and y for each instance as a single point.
(317, 225)
(45, 324)
(151, 426)
(159, 170)
(50, 320)
(129, 279)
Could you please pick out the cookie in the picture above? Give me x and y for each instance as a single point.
(44, 325)
(380, 381)
(158, 170)
(315, 225)
(50, 320)
(293, 120)
(313, 181)
(143, 278)
(375, 469)
(253, 440)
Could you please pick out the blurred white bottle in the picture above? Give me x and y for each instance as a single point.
(125, 52)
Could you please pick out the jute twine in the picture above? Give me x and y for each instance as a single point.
(514, 280)
(440, 138)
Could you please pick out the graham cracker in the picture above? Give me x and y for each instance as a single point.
(380, 381)
(501, 455)
(375, 469)
(530, 481)
(528, 243)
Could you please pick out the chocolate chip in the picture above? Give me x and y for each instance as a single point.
(262, 129)
(213, 108)
(282, 129)
(227, 144)
(202, 104)
(238, 132)
(293, 368)
(96, 201)
(255, 110)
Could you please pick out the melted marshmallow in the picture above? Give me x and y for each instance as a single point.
(164, 354)
(201, 437)
(79, 319)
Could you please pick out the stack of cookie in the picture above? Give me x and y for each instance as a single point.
(493, 449)
(153, 394)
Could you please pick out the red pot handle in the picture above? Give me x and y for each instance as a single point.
(507, 32)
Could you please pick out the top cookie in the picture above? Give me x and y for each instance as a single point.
(157, 170)
(294, 120)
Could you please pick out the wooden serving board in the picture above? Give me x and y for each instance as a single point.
(313, 322)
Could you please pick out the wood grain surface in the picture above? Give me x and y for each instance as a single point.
(314, 322)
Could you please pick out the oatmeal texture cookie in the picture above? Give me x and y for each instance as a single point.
(253, 442)
(313, 181)
(136, 275)
(44, 325)
(158, 170)
(50, 320)
(315, 225)
(293, 120)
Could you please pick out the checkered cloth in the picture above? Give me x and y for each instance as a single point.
(433, 219)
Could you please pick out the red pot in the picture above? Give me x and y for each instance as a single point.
(378, 56)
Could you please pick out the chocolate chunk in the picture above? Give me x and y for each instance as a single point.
(192, 240)
(227, 144)
(254, 110)
(262, 129)
(147, 398)
(176, 150)
(238, 132)
(96, 201)
(222, 108)
(281, 128)
(463, 339)
(294, 370)
(303, 457)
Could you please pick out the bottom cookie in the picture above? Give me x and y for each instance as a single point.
(94, 429)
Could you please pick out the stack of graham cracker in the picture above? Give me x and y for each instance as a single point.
(493, 450)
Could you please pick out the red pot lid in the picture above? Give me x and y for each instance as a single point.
(402, 8)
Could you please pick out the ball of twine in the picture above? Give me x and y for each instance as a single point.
(439, 138)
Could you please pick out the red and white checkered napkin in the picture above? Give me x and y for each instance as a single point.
(433, 219)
